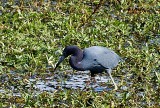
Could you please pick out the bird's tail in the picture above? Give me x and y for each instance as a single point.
(122, 59)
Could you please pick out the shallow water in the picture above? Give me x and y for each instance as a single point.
(78, 80)
(51, 82)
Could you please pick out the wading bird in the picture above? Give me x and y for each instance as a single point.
(96, 59)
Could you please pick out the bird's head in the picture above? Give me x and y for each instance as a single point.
(66, 52)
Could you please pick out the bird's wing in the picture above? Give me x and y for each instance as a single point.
(107, 59)
(89, 58)
(101, 56)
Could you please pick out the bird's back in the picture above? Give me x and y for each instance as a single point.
(100, 56)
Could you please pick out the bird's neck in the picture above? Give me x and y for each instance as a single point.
(75, 59)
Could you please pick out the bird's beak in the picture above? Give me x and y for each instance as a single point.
(60, 60)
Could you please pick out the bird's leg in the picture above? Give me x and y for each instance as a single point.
(93, 78)
(109, 72)
(101, 83)
(88, 83)
(72, 73)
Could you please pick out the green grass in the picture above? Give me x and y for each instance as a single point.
(33, 35)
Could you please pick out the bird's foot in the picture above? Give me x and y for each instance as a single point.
(115, 88)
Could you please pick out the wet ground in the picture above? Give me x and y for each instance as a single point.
(78, 80)
(50, 82)
(16, 85)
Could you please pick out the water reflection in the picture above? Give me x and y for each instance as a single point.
(58, 81)
(79, 80)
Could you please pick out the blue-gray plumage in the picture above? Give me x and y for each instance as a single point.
(96, 59)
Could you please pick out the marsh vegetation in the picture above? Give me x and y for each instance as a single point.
(33, 35)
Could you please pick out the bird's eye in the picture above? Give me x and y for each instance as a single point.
(64, 53)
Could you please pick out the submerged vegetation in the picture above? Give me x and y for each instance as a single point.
(33, 34)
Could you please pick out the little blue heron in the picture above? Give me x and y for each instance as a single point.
(96, 59)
